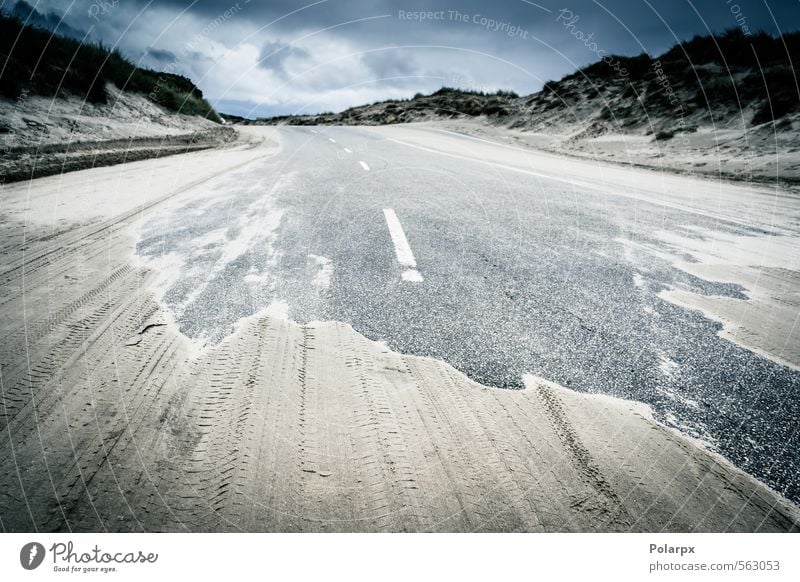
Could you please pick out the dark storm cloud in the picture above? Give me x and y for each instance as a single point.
(285, 55)
(274, 56)
(639, 18)
(162, 56)
(52, 21)
(389, 63)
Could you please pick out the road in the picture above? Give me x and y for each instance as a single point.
(511, 266)
(555, 274)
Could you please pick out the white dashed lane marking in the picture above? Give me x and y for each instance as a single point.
(365, 166)
(402, 250)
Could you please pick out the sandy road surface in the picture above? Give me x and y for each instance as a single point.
(504, 262)
(112, 420)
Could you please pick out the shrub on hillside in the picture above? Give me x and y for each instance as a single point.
(45, 64)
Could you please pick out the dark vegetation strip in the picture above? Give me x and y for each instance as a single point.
(35, 61)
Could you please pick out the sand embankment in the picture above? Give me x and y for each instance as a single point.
(42, 136)
(111, 421)
(762, 155)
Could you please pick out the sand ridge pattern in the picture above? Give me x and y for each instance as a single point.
(110, 423)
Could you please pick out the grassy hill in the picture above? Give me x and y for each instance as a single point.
(706, 80)
(447, 102)
(34, 61)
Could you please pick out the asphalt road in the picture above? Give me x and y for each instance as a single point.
(497, 271)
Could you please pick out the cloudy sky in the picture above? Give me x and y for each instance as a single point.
(267, 57)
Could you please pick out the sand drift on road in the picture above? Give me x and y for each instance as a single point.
(503, 262)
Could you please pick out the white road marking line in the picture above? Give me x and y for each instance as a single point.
(348, 150)
(610, 190)
(412, 275)
(402, 250)
(313, 131)
(366, 168)
(330, 139)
